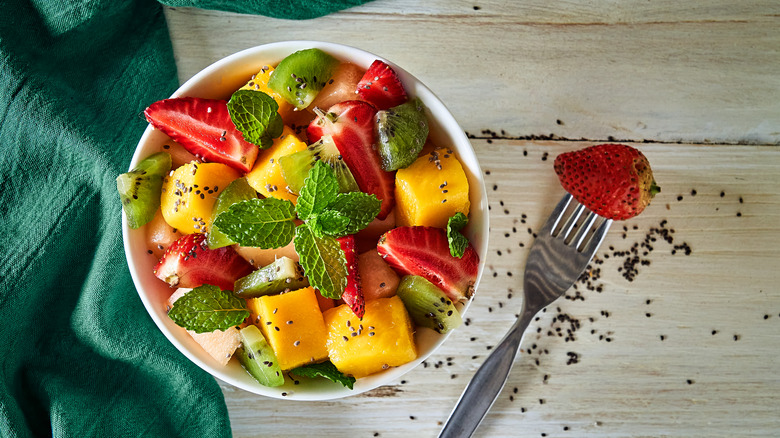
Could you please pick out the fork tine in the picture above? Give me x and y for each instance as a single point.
(571, 221)
(598, 236)
(557, 214)
(582, 232)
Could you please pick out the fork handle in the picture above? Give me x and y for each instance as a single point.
(486, 383)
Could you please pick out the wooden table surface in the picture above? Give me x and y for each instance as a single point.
(677, 330)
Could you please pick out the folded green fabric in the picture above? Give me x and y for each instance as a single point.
(80, 356)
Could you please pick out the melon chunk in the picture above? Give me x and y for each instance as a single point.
(377, 278)
(431, 190)
(383, 338)
(266, 177)
(160, 235)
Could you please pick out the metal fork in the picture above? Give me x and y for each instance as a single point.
(562, 249)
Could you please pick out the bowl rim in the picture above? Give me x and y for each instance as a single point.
(442, 120)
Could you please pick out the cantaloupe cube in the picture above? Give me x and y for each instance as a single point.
(431, 190)
(293, 325)
(160, 235)
(260, 257)
(377, 278)
(266, 176)
(383, 338)
(221, 345)
(188, 196)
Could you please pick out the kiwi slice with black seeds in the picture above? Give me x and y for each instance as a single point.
(283, 274)
(428, 306)
(258, 358)
(295, 167)
(237, 191)
(300, 76)
(140, 189)
(401, 134)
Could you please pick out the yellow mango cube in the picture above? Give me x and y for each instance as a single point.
(266, 176)
(188, 196)
(383, 338)
(293, 325)
(431, 190)
(259, 82)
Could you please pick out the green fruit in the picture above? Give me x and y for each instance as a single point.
(237, 191)
(401, 134)
(284, 274)
(295, 167)
(140, 189)
(258, 358)
(428, 305)
(301, 75)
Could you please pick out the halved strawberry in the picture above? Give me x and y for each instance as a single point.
(351, 124)
(204, 128)
(380, 86)
(353, 294)
(425, 251)
(189, 262)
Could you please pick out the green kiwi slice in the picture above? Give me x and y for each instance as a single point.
(295, 167)
(140, 189)
(401, 134)
(300, 76)
(237, 191)
(258, 358)
(428, 306)
(284, 274)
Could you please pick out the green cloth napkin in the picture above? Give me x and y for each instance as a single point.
(80, 356)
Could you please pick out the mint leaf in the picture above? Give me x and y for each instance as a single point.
(319, 189)
(322, 260)
(207, 308)
(330, 223)
(256, 115)
(326, 370)
(265, 223)
(358, 208)
(457, 241)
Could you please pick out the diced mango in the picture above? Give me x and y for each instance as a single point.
(293, 325)
(266, 176)
(259, 82)
(382, 339)
(431, 190)
(188, 196)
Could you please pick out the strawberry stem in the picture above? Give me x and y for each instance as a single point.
(654, 189)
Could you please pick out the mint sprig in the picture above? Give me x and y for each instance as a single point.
(265, 223)
(319, 189)
(207, 308)
(323, 261)
(326, 370)
(256, 115)
(458, 242)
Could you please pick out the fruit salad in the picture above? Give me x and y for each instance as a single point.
(308, 226)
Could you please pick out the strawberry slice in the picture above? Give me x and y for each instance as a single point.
(353, 293)
(189, 262)
(351, 124)
(612, 180)
(204, 128)
(425, 251)
(380, 86)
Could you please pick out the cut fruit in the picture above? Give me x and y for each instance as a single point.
(160, 235)
(203, 127)
(353, 293)
(259, 257)
(401, 134)
(259, 82)
(377, 278)
(425, 251)
(381, 86)
(293, 324)
(428, 305)
(140, 188)
(284, 274)
(257, 357)
(189, 194)
(266, 177)
(296, 167)
(383, 338)
(431, 190)
(237, 191)
(301, 75)
(340, 87)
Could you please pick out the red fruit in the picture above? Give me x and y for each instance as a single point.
(189, 262)
(351, 124)
(611, 180)
(425, 251)
(381, 86)
(353, 294)
(204, 128)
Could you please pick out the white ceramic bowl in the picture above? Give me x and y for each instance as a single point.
(220, 80)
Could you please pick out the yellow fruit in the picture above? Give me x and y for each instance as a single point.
(160, 235)
(259, 82)
(189, 194)
(266, 176)
(383, 338)
(293, 325)
(431, 190)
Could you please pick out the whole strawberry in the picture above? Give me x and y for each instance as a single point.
(611, 180)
